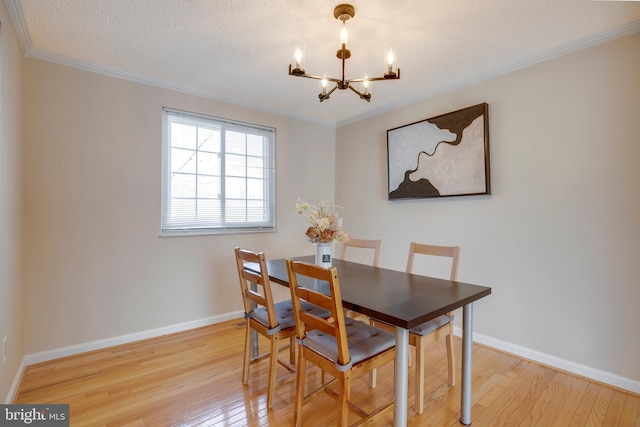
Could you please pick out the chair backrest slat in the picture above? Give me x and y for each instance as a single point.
(335, 325)
(314, 322)
(252, 277)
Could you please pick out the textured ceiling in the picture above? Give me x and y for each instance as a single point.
(239, 50)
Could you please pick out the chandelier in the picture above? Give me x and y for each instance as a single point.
(343, 13)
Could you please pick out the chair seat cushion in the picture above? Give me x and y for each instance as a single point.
(284, 314)
(364, 341)
(427, 327)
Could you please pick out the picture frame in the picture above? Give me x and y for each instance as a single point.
(443, 156)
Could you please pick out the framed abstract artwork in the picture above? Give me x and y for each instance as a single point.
(443, 156)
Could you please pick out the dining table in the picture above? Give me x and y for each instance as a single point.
(404, 300)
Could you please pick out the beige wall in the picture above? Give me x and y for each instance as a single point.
(11, 324)
(95, 267)
(559, 238)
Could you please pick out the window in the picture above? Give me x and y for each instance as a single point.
(218, 176)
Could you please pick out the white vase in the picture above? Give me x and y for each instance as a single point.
(323, 254)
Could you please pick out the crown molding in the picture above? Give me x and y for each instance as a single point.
(17, 19)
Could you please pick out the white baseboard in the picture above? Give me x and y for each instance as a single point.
(44, 356)
(13, 390)
(125, 339)
(536, 356)
(555, 362)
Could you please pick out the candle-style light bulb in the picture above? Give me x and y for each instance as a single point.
(343, 35)
(390, 59)
(365, 84)
(298, 56)
(324, 85)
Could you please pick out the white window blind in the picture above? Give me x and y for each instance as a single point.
(218, 176)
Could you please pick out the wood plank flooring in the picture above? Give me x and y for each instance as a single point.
(193, 378)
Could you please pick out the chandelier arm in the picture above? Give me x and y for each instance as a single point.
(373, 79)
(331, 91)
(365, 96)
(323, 96)
(311, 76)
(355, 90)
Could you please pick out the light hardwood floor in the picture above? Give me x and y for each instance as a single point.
(193, 378)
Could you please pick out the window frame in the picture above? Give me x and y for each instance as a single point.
(173, 225)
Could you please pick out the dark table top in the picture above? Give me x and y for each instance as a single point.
(396, 297)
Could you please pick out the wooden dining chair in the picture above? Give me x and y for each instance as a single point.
(272, 320)
(363, 244)
(341, 346)
(432, 330)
